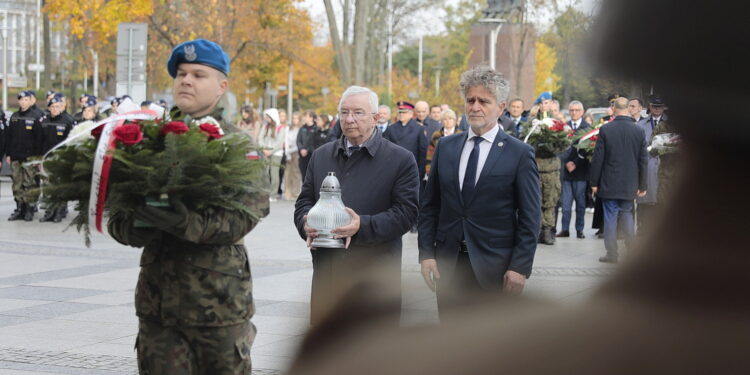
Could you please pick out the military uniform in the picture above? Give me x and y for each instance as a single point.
(194, 295)
(22, 139)
(53, 131)
(549, 176)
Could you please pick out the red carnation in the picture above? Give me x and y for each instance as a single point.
(128, 134)
(97, 131)
(593, 138)
(176, 127)
(211, 130)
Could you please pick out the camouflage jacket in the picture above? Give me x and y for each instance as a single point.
(194, 267)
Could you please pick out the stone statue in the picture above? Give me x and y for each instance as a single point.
(499, 8)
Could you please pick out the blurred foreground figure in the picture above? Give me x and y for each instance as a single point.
(681, 304)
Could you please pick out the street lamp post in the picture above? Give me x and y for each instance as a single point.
(5, 67)
(498, 23)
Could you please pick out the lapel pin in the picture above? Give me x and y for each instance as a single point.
(501, 144)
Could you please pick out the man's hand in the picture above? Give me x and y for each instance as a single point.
(570, 166)
(513, 282)
(594, 189)
(303, 152)
(267, 153)
(641, 193)
(349, 230)
(430, 273)
(310, 232)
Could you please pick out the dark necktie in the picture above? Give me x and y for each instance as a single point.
(467, 190)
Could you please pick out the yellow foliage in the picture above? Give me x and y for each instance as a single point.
(546, 79)
(97, 19)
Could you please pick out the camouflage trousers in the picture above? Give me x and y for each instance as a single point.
(180, 350)
(24, 180)
(549, 176)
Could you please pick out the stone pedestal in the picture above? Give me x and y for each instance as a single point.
(519, 69)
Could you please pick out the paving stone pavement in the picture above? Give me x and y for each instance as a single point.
(68, 309)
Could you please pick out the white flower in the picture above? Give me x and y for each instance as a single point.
(81, 132)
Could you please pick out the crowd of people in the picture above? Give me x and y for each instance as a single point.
(469, 185)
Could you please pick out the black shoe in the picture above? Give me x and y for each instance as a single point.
(580, 235)
(563, 233)
(30, 211)
(608, 259)
(548, 236)
(49, 215)
(18, 214)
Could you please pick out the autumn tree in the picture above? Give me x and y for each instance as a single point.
(260, 37)
(92, 26)
(546, 61)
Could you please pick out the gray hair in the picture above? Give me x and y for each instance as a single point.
(359, 90)
(448, 113)
(576, 102)
(487, 77)
(385, 107)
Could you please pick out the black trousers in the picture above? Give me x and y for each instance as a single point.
(303, 162)
(375, 280)
(462, 289)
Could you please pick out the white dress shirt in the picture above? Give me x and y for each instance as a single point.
(484, 149)
(575, 124)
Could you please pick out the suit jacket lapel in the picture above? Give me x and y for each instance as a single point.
(496, 148)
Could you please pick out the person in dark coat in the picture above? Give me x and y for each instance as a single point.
(306, 140)
(22, 140)
(422, 115)
(379, 187)
(619, 169)
(407, 133)
(575, 176)
(334, 130)
(55, 128)
(480, 213)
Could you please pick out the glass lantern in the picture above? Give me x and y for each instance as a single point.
(328, 213)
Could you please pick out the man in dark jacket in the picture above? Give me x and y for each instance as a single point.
(619, 169)
(306, 141)
(55, 127)
(194, 294)
(407, 133)
(575, 176)
(422, 115)
(22, 142)
(379, 187)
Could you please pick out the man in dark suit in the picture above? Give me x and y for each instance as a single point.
(618, 174)
(430, 126)
(575, 176)
(481, 208)
(380, 188)
(515, 114)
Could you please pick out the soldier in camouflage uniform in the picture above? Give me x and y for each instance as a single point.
(549, 176)
(194, 293)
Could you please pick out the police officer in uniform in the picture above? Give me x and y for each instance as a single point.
(89, 111)
(22, 141)
(55, 127)
(194, 293)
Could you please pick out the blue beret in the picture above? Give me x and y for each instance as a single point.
(26, 93)
(543, 96)
(89, 103)
(199, 51)
(58, 98)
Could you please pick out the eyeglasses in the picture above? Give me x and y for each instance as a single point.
(358, 115)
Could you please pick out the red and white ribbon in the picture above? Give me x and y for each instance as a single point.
(103, 163)
(589, 135)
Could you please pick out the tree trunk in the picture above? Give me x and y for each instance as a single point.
(360, 40)
(342, 57)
